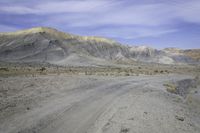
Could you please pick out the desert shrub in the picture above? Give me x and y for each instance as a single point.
(42, 69)
(171, 87)
(156, 71)
(127, 74)
(88, 73)
(197, 78)
(124, 130)
(4, 69)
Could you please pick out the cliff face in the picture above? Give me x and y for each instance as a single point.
(52, 46)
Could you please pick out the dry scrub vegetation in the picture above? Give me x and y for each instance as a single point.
(182, 87)
(129, 70)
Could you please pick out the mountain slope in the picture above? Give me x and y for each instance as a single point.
(49, 45)
(193, 53)
(43, 44)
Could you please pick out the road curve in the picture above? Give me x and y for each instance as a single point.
(76, 108)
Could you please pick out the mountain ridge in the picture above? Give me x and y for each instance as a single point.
(55, 32)
(44, 44)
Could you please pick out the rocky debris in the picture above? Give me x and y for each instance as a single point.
(180, 118)
(124, 130)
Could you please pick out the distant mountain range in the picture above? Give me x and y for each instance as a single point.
(48, 45)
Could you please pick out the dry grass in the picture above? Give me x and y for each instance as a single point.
(172, 88)
(135, 70)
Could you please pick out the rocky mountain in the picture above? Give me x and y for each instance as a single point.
(48, 45)
(192, 53)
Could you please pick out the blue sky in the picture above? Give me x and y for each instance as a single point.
(155, 23)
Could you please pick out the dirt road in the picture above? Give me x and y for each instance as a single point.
(91, 104)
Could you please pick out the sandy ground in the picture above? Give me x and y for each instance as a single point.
(93, 104)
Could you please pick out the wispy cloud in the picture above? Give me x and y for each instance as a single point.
(53, 7)
(115, 11)
(72, 6)
(17, 10)
(126, 19)
(188, 11)
(131, 32)
(5, 28)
